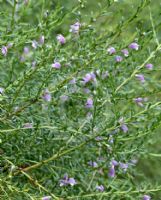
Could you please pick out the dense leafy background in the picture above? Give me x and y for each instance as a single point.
(63, 135)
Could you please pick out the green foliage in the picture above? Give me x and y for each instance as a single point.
(40, 140)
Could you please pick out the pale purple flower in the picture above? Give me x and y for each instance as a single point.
(72, 181)
(75, 27)
(140, 77)
(149, 66)
(41, 39)
(93, 76)
(124, 128)
(123, 166)
(125, 52)
(100, 188)
(118, 58)
(22, 58)
(73, 81)
(1, 90)
(34, 44)
(146, 197)
(61, 39)
(111, 172)
(46, 198)
(26, 50)
(114, 163)
(134, 46)
(89, 103)
(111, 50)
(64, 181)
(86, 90)
(89, 77)
(56, 65)
(67, 181)
(4, 50)
(93, 164)
(28, 125)
(46, 95)
(139, 101)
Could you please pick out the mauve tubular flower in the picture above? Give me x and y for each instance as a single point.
(123, 166)
(61, 39)
(64, 181)
(140, 77)
(26, 50)
(34, 44)
(72, 181)
(149, 66)
(124, 128)
(89, 77)
(73, 81)
(139, 101)
(4, 50)
(75, 27)
(46, 198)
(111, 50)
(111, 172)
(146, 197)
(1, 90)
(114, 163)
(41, 39)
(125, 52)
(118, 58)
(56, 65)
(22, 58)
(86, 91)
(100, 188)
(134, 46)
(67, 181)
(46, 95)
(89, 103)
(93, 164)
